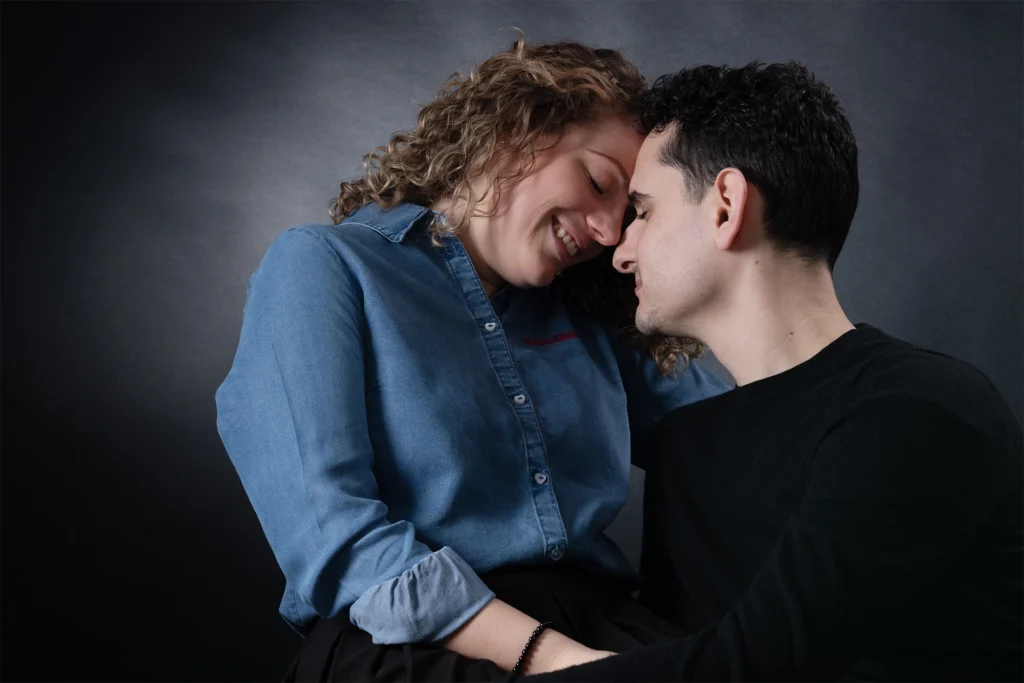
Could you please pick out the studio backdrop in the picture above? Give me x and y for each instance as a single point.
(152, 151)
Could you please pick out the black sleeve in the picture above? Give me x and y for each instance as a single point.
(897, 490)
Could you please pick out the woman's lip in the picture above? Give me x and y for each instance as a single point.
(563, 250)
(570, 231)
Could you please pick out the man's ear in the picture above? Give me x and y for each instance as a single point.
(729, 197)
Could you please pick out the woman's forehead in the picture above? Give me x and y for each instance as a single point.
(612, 136)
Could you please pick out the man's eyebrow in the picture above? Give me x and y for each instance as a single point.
(618, 165)
(637, 197)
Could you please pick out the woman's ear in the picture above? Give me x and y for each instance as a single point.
(729, 194)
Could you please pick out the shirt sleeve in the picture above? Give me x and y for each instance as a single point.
(292, 416)
(650, 395)
(898, 491)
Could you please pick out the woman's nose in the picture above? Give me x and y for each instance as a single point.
(606, 228)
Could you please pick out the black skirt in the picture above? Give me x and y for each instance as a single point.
(597, 612)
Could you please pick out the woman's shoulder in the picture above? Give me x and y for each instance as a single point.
(311, 243)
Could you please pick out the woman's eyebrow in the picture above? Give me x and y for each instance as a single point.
(623, 176)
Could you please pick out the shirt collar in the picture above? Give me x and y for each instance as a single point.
(393, 224)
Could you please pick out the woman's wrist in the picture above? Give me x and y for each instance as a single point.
(527, 652)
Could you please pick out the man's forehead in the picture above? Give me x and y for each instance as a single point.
(647, 161)
(656, 142)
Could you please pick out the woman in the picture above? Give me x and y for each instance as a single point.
(432, 406)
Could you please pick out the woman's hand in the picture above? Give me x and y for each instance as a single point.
(572, 655)
(499, 632)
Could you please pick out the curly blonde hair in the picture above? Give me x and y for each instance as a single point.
(494, 119)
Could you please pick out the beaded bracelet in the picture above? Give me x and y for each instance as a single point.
(529, 644)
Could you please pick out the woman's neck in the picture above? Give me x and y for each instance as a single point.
(490, 280)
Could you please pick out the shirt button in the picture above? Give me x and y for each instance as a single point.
(519, 399)
(557, 554)
(540, 477)
(490, 327)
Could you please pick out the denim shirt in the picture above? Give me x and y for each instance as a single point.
(398, 432)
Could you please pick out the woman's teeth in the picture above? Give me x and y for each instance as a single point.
(568, 241)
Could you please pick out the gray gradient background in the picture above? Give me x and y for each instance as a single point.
(151, 152)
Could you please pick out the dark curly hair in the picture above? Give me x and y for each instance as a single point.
(496, 116)
(783, 129)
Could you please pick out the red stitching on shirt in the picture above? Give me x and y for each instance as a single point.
(560, 337)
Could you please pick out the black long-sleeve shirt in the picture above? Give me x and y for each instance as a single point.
(856, 517)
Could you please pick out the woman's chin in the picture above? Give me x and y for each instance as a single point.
(545, 279)
(541, 277)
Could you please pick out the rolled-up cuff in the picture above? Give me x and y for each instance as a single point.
(428, 602)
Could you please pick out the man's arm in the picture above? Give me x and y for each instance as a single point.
(897, 491)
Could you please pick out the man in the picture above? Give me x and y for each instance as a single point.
(852, 510)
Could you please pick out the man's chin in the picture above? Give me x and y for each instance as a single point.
(647, 323)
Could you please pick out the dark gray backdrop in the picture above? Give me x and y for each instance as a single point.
(151, 152)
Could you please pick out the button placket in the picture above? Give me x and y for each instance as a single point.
(487, 314)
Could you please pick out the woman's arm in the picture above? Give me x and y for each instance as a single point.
(292, 415)
(650, 395)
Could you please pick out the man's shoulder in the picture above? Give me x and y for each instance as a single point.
(904, 393)
(892, 369)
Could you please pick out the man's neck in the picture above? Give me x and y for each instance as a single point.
(779, 317)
